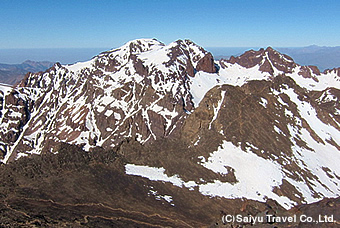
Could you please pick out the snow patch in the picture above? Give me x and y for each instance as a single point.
(263, 102)
(77, 67)
(217, 108)
(117, 116)
(108, 113)
(167, 198)
(152, 173)
(256, 176)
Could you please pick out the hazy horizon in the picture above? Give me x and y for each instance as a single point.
(72, 55)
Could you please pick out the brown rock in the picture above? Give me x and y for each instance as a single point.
(308, 72)
(138, 65)
(207, 64)
(190, 69)
(315, 70)
(267, 67)
(248, 59)
(336, 70)
(267, 59)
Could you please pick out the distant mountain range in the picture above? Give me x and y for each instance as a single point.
(322, 57)
(13, 73)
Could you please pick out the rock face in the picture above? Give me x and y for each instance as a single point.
(207, 64)
(266, 59)
(257, 127)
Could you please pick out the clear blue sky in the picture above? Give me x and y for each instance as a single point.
(214, 23)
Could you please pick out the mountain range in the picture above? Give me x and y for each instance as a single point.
(321, 56)
(151, 135)
(14, 73)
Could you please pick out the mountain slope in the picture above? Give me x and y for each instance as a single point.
(257, 126)
(79, 189)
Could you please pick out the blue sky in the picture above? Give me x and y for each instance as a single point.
(219, 23)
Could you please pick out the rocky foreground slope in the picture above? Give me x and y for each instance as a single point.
(175, 138)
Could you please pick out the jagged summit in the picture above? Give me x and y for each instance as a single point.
(272, 63)
(268, 59)
(137, 46)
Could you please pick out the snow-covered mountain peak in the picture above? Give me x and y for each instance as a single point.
(222, 115)
(138, 90)
(136, 46)
(144, 43)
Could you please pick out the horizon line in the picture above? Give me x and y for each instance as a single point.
(312, 45)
